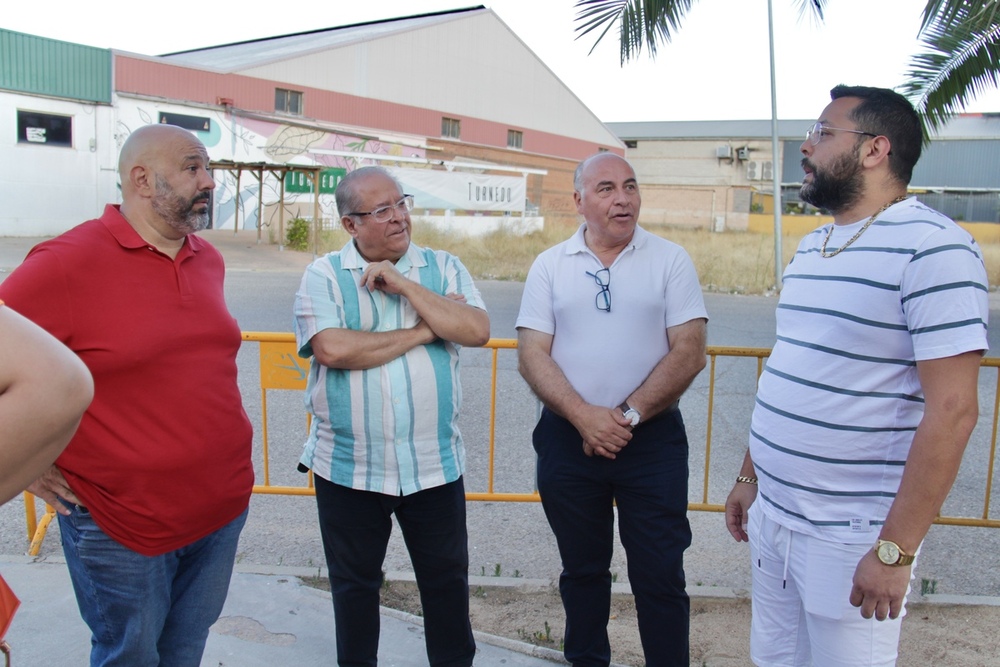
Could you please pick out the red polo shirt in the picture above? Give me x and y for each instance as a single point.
(162, 455)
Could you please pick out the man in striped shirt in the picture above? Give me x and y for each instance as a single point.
(383, 321)
(868, 399)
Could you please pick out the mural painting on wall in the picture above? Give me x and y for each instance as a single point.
(241, 139)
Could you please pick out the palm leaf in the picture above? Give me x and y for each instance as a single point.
(948, 11)
(640, 22)
(647, 23)
(962, 60)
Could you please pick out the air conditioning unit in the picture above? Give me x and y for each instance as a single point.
(760, 171)
(724, 152)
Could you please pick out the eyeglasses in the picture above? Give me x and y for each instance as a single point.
(385, 213)
(815, 133)
(603, 298)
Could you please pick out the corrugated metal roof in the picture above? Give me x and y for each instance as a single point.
(971, 126)
(959, 163)
(254, 53)
(43, 66)
(964, 126)
(708, 129)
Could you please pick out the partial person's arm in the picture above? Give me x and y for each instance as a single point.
(674, 373)
(951, 409)
(739, 501)
(603, 430)
(44, 390)
(360, 350)
(450, 318)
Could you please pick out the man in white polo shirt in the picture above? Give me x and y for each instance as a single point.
(611, 332)
(383, 320)
(867, 401)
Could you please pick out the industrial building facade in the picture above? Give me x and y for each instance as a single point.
(406, 93)
(284, 116)
(718, 174)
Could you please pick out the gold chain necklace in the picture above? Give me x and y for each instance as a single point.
(824, 253)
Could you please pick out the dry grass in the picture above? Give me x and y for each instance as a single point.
(730, 262)
(991, 253)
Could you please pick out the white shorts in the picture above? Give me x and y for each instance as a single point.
(802, 614)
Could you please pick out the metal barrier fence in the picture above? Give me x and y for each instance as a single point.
(282, 369)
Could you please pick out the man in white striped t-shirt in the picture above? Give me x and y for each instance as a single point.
(383, 321)
(868, 399)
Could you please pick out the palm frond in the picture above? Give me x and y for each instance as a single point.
(812, 10)
(641, 23)
(981, 12)
(962, 60)
(648, 23)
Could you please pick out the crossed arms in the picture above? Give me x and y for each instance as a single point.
(446, 317)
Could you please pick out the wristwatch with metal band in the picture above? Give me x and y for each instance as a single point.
(890, 554)
(630, 413)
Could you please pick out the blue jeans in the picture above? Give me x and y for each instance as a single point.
(648, 483)
(355, 526)
(147, 611)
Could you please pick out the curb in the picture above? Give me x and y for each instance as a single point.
(712, 592)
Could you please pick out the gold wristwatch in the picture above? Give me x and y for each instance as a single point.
(890, 554)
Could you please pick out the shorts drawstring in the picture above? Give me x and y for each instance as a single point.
(788, 552)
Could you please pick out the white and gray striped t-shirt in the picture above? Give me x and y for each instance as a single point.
(839, 399)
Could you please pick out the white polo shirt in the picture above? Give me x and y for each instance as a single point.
(606, 355)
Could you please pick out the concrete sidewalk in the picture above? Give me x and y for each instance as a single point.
(271, 619)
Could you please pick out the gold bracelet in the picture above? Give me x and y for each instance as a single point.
(746, 480)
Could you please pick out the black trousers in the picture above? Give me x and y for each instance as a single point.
(355, 526)
(648, 483)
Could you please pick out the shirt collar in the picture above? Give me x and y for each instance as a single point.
(352, 259)
(126, 235)
(577, 244)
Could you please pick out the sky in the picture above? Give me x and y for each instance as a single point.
(716, 67)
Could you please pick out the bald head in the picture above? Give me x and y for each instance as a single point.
(592, 161)
(165, 179)
(149, 144)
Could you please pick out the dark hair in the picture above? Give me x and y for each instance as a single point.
(887, 113)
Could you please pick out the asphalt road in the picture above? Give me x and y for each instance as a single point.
(513, 538)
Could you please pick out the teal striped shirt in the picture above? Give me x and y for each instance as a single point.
(391, 429)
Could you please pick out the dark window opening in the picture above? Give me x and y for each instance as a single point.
(34, 127)
(193, 123)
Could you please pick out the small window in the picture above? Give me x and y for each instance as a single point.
(515, 139)
(193, 123)
(44, 128)
(288, 101)
(631, 143)
(451, 128)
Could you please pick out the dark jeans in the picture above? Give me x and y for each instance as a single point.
(648, 482)
(355, 526)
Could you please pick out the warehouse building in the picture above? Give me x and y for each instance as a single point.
(719, 174)
(482, 141)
